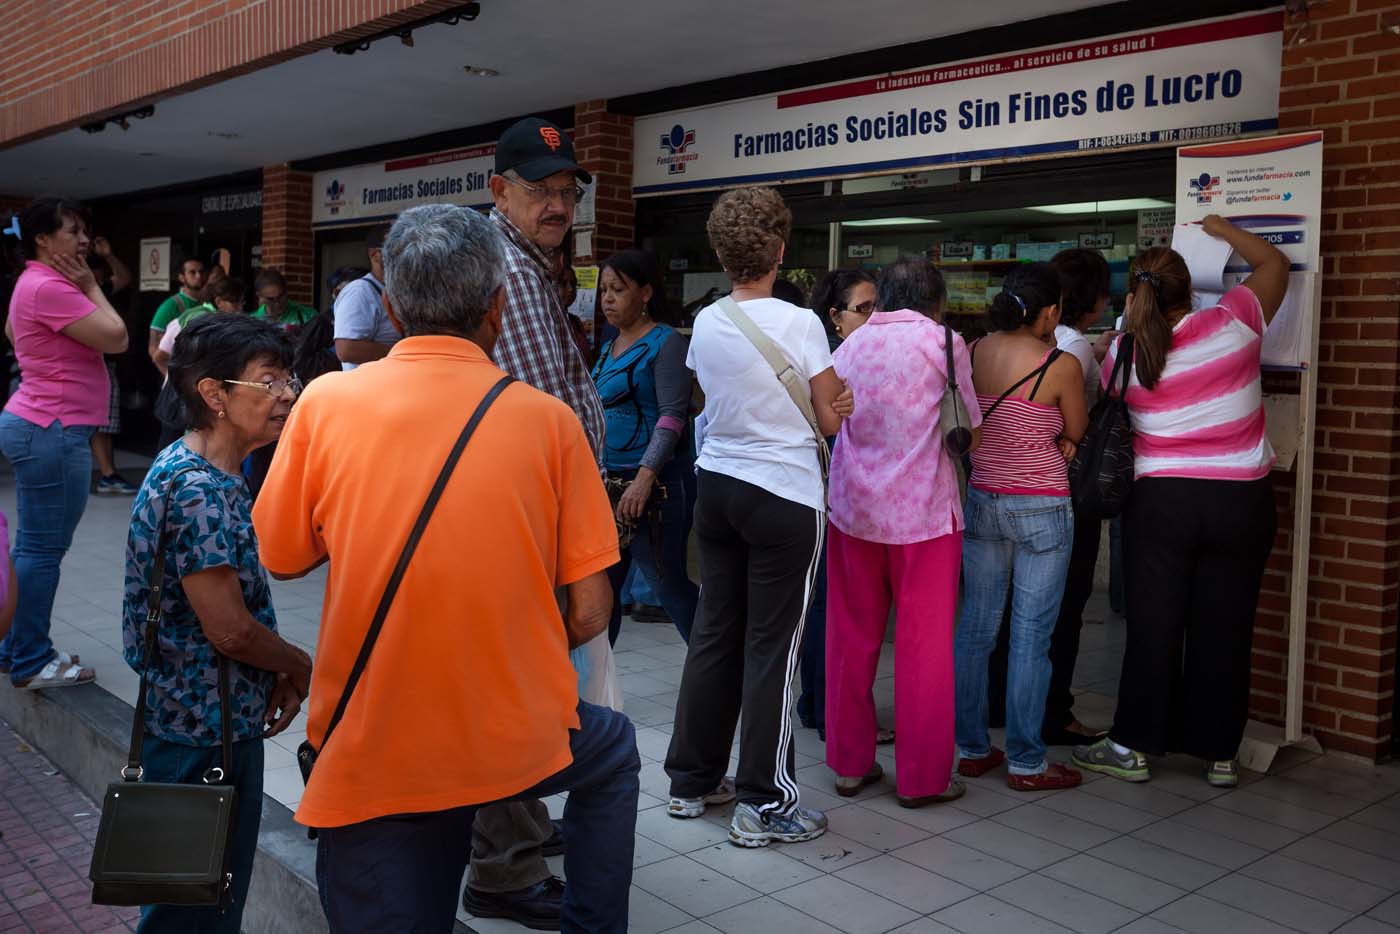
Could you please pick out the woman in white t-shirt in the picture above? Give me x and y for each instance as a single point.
(759, 521)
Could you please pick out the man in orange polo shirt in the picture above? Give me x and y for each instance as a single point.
(468, 696)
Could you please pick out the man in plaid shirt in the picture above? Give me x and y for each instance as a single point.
(536, 187)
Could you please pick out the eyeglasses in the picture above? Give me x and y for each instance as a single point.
(273, 387)
(864, 308)
(274, 299)
(539, 194)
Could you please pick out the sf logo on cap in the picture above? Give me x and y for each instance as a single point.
(550, 136)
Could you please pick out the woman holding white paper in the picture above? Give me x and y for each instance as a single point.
(1200, 524)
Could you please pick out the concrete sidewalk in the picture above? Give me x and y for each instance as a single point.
(1313, 847)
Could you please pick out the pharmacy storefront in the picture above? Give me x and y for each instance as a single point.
(976, 164)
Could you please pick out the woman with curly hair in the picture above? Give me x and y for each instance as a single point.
(759, 521)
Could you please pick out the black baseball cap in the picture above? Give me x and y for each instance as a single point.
(536, 149)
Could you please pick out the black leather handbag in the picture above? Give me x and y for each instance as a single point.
(162, 843)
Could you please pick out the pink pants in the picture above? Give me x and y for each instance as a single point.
(921, 580)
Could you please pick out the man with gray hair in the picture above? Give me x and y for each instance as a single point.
(467, 695)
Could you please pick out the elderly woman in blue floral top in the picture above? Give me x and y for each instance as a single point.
(233, 377)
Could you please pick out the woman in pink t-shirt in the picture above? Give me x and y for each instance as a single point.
(1200, 523)
(60, 324)
(896, 538)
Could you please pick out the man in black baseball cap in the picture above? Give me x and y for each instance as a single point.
(535, 149)
(536, 186)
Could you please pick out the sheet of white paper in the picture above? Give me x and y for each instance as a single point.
(583, 242)
(1205, 256)
(1286, 334)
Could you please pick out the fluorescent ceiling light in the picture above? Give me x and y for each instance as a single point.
(1102, 207)
(890, 222)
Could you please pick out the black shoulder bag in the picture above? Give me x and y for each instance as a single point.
(162, 843)
(1101, 474)
(307, 753)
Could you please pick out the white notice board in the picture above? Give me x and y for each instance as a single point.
(1271, 187)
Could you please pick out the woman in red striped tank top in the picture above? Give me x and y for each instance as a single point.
(1019, 524)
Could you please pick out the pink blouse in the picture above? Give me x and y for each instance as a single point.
(891, 480)
(61, 378)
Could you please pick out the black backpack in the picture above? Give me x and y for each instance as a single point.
(1101, 474)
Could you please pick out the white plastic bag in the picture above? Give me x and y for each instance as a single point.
(597, 673)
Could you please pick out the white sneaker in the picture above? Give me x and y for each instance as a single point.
(686, 808)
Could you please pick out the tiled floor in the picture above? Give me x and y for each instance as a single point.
(49, 827)
(1313, 847)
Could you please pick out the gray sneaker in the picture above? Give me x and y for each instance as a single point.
(1102, 757)
(686, 808)
(749, 828)
(1223, 773)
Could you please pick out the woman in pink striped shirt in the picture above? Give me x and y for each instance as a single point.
(1020, 528)
(1200, 524)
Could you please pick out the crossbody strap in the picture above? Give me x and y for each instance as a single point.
(948, 346)
(1039, 371)
(792, 381)
(406, 555)
(133, 770)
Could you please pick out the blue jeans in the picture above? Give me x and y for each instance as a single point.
(53, 471)
(404, 872)
(1022, 543)
(663, 564)
(173, 762)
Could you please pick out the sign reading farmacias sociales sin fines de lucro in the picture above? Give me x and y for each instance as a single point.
(1165, 87)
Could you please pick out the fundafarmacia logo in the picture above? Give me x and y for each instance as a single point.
(1204, 188)
(675, 144)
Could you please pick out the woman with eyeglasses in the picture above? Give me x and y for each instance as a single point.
(844, 300)
(233, 376)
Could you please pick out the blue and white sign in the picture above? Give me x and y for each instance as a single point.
(1206, 80)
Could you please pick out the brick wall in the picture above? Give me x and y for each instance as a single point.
(286, 229)
(604, 144)
(67, 62)
(1345, 81)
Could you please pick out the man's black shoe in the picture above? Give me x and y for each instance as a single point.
(642, 613)
(538, 907)
(554, 846)
(1064, 736)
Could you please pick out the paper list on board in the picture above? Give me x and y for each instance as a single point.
(1206, 257)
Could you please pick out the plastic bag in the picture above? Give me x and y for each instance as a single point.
(597, 673)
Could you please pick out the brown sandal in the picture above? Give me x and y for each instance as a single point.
(58, 674)
(976, 768)
(1054, 778)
